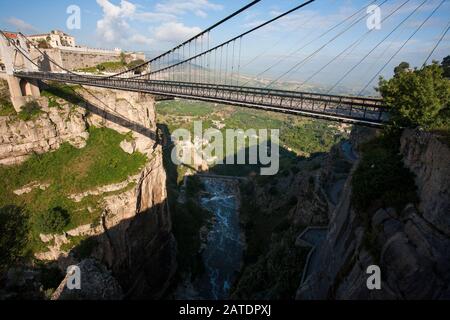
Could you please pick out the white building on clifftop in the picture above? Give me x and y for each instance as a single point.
(55, 39)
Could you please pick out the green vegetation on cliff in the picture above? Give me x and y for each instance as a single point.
(272, 263)
(112, 66)
(13, 234)
(67, 171)
(6, 107)
(381, 177)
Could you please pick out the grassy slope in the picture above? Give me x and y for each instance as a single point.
(69, 170)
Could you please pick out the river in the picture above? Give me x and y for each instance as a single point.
(223, 249)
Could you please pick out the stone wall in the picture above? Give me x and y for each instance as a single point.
(77, 58)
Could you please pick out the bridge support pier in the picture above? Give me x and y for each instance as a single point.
(22, 91)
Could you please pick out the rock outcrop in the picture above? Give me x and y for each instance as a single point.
(124, 112)
(414, 246)
(19, 139)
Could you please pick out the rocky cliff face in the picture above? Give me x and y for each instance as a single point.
(414, 244)
(134, 239)
(97, 281)
(132, 246)
(137, 243)
(19, 139)
(124, 112)
(429, 158)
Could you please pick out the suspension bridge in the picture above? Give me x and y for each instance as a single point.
(198, 70)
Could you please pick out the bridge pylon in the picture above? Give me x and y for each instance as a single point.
(21, 90)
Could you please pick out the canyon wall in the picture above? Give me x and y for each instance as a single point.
(414, 243)
(134, 248)
(136, 241)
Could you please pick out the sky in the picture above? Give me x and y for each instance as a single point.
(157, 25)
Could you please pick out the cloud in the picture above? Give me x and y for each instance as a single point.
(20, 24)
(179, 7)
(119, 23)
(175, 32)
(114, 27)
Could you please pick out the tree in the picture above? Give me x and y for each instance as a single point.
(42, 44)
(417, 98)
(52, 221)
(13, 234)
(123, 58)
(29, 110)
(136, 63)
(402, 67)
(446, 66)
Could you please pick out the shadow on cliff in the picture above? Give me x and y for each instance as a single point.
(139, 252)
(189, 218)
(102, 111)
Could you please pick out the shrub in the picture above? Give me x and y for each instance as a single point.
(43, 44)
(52, 221)
(381, 176)
(273, 191)
(13, 234)
(136, 63)
(6, 108)
(30, 110)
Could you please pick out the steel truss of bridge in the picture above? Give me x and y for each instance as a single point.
(346, 109)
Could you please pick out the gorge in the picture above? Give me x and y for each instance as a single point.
(135, 237)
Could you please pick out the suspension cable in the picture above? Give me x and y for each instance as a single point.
(437, 44)
(403, 45)
(354, 45)
(239, 36)
(237, 12)
(313, 40)
(377, 45)
(299, 64)
(19, 49)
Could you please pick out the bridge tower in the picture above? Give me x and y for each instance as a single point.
(21, 90)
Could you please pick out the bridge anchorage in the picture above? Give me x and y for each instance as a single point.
(198, 70)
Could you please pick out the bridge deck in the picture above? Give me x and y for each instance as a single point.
(354, 110)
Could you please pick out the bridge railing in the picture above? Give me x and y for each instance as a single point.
(367, 111)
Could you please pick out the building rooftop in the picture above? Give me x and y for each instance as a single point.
(11, 35)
